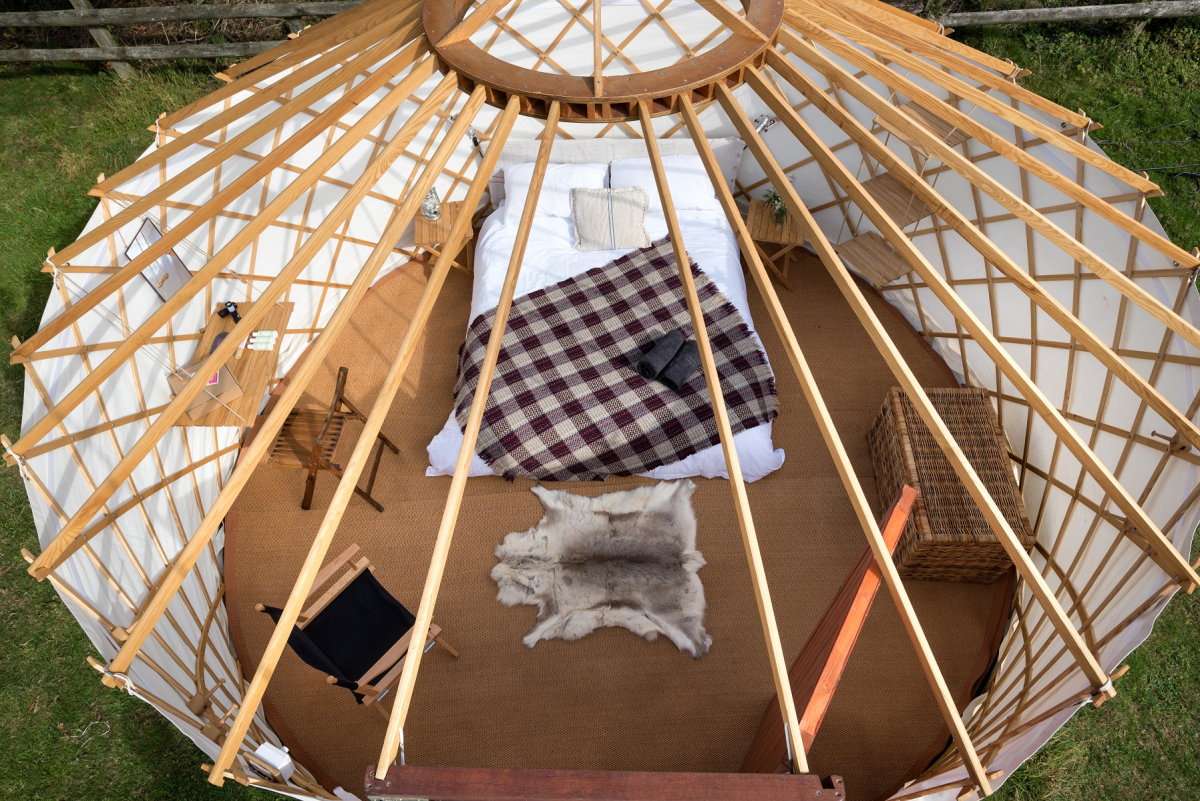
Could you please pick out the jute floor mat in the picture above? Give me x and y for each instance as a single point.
(611, 700)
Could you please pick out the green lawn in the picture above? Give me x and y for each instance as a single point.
(64, 736)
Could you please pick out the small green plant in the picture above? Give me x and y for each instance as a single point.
(776, 202)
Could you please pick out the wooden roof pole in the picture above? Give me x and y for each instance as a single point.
(899, 17)
(344, 64)
(731, 19)
(1047, 302)
(230, 89)
(974, 175)
(1164, 553)
(915, 27)
(923, 69)
(937, 428)
(269, 123)
(597, 51)
(1002, 146)
(259, 171)
(1161, 549)
(741, 503)
(253, 453)
(841, 460)
(472, 22)
(393, 740)
(322, 36)
(202, 277)
(861, 13)
(362, 448)
(64, 541)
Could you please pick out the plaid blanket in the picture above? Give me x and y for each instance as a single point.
(566, 402)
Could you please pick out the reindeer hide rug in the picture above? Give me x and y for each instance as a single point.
(621, 559)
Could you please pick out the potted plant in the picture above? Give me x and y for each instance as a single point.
(777, 203)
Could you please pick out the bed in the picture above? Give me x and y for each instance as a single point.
(551, 256)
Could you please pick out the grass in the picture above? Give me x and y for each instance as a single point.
(64, 736)
(1146, 742)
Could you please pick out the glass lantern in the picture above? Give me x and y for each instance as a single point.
(431, 206)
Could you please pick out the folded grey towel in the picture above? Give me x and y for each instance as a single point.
(656, 360)
(682, 366)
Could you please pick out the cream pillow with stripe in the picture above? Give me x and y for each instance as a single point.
(609, 219)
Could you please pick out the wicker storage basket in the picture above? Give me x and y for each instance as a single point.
(947, 537)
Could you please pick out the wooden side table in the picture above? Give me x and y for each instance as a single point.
(783, 238)
(432, 234)
(252, 369)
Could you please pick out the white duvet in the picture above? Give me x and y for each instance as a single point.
(550, 257)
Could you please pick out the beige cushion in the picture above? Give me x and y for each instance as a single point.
(606, 149)
(609, 219)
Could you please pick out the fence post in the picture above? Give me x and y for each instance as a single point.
(105, 39)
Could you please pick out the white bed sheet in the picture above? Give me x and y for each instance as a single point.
(550, 257)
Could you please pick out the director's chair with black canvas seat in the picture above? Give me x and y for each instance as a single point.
(309, 440)
(355, 631)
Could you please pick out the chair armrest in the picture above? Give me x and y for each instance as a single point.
(327, 573)
(395, 654)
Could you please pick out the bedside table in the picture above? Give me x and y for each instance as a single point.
(431, 234)
(782, 238)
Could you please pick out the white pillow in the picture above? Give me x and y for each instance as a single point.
(555, 197)
(686, 176)
(607, 149)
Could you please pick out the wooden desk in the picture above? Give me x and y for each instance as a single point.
(782, 238)
(253, 369)
(431, 234)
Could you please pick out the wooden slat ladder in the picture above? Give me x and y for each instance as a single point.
(816, 672)
(900, 203)
(936, 125)
(874, 257)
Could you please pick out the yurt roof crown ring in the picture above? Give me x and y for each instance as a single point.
(601, 96)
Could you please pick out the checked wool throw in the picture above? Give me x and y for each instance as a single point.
(566, 402)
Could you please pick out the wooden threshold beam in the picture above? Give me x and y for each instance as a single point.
(818, 669)
(393, 740)
(731, 19)
(509, 784)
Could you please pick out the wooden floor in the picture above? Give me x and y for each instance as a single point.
(611, 700)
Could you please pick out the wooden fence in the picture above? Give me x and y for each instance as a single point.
(1154, 10)
(97, 20)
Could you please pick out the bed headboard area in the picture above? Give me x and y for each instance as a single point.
(601, 151)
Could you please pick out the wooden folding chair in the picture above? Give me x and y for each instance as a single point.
(355, 631)
(309, 439)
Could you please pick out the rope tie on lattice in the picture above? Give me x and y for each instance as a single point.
(55, 273)
(124, 682)
(1104, 688)
(21, 462)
